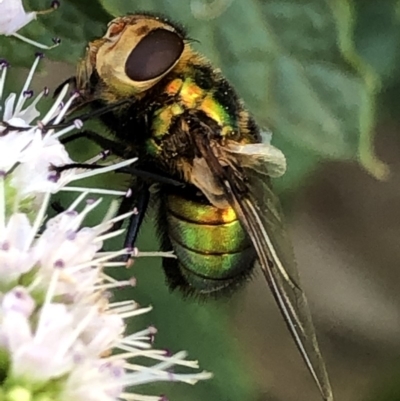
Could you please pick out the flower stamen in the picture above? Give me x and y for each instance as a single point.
(22, 98)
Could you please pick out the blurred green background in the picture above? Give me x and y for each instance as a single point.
(324, 76)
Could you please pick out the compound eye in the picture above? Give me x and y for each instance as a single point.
(155, 54)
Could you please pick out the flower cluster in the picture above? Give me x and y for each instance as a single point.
(61, 338)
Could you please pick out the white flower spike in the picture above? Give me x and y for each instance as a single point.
(61, 338)
(13, 17)
(31, 155)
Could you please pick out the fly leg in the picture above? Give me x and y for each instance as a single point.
(119, 150)
(105, 143)
(137, 203)
(137, 197)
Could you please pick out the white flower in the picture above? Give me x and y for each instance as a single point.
(15, 258)
(61, 338)
(37, 354)
(12, 147)
(31, 154)
(19, 139)
(60, 326)
(33, 175)
(13, 17)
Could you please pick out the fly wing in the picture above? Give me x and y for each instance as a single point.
(261, 215)
(243, 174)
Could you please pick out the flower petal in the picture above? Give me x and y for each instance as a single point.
(13, 16)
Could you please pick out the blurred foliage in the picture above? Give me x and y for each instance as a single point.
(388, 388)
(311, 70)
(377, 36)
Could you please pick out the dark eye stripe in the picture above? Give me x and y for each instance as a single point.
(154, 55)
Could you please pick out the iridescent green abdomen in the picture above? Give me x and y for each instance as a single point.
(210, 243)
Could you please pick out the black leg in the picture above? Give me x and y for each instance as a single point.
(103, 142)
(155, 177)
(83, 117)
(135, 221)
(57, 207)
(91, 115)
(69, 81)
(136, 200)
(118, 150)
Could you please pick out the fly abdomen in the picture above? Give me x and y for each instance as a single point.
(212, 248)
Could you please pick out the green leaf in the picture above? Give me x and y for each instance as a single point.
(295, 65)
(377, 39)
(371, 86)
(377, 36)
